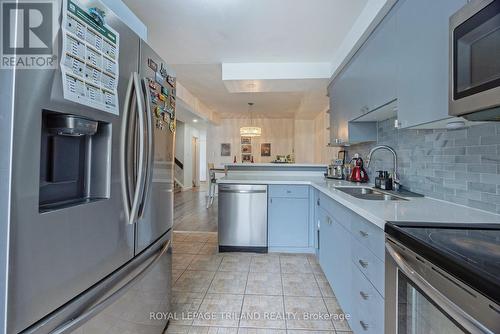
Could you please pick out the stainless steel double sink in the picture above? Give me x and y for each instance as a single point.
(370, 194)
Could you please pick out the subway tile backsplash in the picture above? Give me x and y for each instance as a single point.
(460, 166)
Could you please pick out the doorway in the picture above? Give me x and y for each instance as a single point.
(195, 149)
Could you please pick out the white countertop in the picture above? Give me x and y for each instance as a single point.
(421, 209)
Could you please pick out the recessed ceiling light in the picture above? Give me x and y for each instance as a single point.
(195, 120)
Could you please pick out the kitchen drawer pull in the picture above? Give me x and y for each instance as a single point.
(364, 325)
(363, 264)
(317, 202)
(364, 295)
(363, 233)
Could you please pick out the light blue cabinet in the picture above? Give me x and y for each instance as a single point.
(342, 131)
(289, 217)
(335, 257)
(375, 69)
(423, 59)
(349, 251)
(367, 83)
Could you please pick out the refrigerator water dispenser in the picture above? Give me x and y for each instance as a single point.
(74, 160)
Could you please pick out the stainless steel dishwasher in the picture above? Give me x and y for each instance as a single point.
(242, 218)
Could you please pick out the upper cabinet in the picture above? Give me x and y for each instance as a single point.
(422, 40)
(376, 69)
(367, 83)
(406, 59)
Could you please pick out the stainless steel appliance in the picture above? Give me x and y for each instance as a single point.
(88, 196)
(336, 169)
(442, 278)
(242, 217)
(475, 62)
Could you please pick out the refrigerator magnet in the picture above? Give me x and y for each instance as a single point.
(164, 90)
(171, 80)
(158, 78)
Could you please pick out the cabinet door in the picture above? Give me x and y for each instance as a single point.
(339, 111)
(423, 59)
(343, 106)
(288, 222)
(326, 244)
(335, 258)
(377, 64)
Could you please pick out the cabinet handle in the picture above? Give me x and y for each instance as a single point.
(329, 220)
(364, 295)
(364, 325)
(317, 202)
(288, 191)
(363, 234)
(271, 201)
(363, 264)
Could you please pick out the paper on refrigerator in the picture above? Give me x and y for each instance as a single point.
(89, 61)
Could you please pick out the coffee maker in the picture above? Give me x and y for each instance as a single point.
(336, 169)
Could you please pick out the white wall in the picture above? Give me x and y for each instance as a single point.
(278, 132)
(184, 152)
(128, 17)
(323, 153)
(304, 141)
(308, 139)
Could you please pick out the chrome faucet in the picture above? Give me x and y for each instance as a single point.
(395, 178)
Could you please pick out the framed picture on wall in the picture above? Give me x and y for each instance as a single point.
(225, 149)
(246, 158)
(246, 140)
(265, 150)
(246, 149)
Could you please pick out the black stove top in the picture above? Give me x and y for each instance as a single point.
(470, 252)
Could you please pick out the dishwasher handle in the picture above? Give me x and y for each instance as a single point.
(234, 191)
(243, 188)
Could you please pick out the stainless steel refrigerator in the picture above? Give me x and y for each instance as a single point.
(87, 195)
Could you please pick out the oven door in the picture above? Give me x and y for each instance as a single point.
(414, 305)
(475, 61)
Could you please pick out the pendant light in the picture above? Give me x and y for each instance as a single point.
(250, 131)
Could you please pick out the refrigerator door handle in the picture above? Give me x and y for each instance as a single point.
(140, 170)
(123, 148)
(79, 320)
(150, 150)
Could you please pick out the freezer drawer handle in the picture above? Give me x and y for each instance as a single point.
(73, 324)
(450, 308)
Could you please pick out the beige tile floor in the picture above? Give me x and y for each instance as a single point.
(245, 293)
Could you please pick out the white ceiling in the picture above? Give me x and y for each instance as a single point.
(197, 36)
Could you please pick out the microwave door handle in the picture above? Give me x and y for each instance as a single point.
(123, 148)
(139, 183)
(450, 308)
(150, 149)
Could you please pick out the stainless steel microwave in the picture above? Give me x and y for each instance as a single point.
(475, 61)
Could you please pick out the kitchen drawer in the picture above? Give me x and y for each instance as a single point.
(370, 235)
(337, 211)
(368, 306)
(289, 191)
(370, 265)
